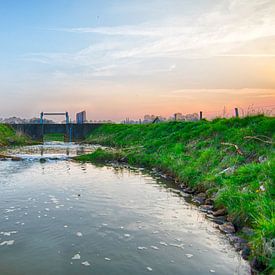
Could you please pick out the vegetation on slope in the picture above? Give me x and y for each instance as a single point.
(232, 160)
(9, 137)
(100, 156)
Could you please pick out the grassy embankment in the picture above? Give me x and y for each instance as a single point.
(231, 160)
(9, 137)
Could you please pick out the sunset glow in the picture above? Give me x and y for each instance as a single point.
(118, 59)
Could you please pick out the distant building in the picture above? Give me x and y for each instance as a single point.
(18, 120)
(152, 119)
(179, 116)
(187, 117)
(192, 117)
(81, 117)
(149, 118)
(37, 121)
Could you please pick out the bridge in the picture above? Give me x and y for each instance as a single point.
(71, 131)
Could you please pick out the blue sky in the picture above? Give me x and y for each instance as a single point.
(127, 58)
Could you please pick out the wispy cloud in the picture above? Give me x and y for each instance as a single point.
(243, 91)
(121, 30)
(248, 55)
(217, 32)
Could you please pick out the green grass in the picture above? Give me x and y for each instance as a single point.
(9, 137)
(99, 156)
(54, 137)
(197, 153)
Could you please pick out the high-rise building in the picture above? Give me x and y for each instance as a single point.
(81, 117)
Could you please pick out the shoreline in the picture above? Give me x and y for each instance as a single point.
(215, 215)
(225, 166)
(229, 193)
(8, 137)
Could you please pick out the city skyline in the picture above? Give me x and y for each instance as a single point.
(120, 59)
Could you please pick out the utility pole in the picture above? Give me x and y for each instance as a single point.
(41, 117)
(236, 112)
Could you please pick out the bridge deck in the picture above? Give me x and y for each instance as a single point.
(77, 132)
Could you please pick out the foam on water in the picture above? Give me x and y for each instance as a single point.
(52, 208)
(76, 257)
(10, 242)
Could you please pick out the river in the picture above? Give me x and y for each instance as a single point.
(63, 217)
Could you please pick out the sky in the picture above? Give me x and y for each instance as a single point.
(121, 58)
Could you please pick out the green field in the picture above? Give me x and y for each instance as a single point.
(231, 160)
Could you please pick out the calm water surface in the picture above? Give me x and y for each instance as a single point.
(61, 217)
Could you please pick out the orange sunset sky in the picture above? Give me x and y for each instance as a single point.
(118, 59)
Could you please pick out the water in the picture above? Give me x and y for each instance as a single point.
(62, 217)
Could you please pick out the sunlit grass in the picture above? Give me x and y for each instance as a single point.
(197, 153)
(9, 137)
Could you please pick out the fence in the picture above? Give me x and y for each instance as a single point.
(238, 111)
(209, 115)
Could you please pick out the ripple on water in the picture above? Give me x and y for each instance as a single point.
(10, 242)
(141, 226)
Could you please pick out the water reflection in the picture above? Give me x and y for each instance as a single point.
(51, 151)
(63, 217)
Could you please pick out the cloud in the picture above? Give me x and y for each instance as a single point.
(248, 55)
(244, 93)
(220, 31)
(118, 31)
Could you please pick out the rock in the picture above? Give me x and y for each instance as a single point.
(199, 199)
(185, 195)
(220, 212)
(230, 218)
(209, 201)
(16, 158)
(236, 239)
(188, 190)
(247, 231)
(238, 246)
(237, 242)
(218, 220)
(42, 160)
(7, 157)
(245, 252)
(262, 159)
(210, 217)
(206, 208)
(257, 265)
(227, 228)
(201, 195)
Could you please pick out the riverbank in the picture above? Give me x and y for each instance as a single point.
(101, 219)
(227, 163)
(8, 137)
